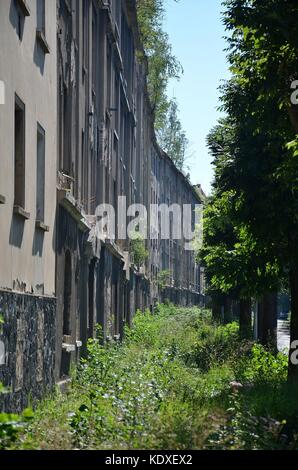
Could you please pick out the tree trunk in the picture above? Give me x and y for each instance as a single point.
(293, 368)
(267, 320)
(228, 316)
(293, 113)
(216, 309)
(235, 309)
(245, 323)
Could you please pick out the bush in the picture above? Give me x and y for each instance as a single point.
(215, 345)
(246, 431)
(261, 366)
(10, 427)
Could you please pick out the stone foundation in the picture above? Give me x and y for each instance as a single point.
(28, 336)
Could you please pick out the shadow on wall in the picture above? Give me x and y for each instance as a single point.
(17, 19)
(16, 231)
(39, 57)
(38, 240)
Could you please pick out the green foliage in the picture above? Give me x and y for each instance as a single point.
(11, 425)
(162, 64)
(237, 261)
(215, 346)
(137, 249)
(172, 138)
(144, 394)
(168, 386)
(251, 220)
(163, 278)
(245, 431)
(261, 366)
(263, 55)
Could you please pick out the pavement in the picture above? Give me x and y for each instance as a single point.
(283, 335)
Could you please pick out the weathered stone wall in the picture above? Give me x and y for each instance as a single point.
(28, 334)
(182, 297)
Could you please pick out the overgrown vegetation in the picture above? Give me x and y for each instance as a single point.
(137, 249)
(178, 381)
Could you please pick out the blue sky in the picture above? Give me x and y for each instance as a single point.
(196, 32)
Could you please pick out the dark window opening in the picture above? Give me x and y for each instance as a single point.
(41, 16)
(67, 295)
(85, 34)
(66, 327)
(40, 174)
(94, 49)
(91, 300)
(19, 155)
(66, 134)
(21, 11)
(20, 25)
(115, 307)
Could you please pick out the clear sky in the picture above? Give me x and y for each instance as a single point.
(196, 34)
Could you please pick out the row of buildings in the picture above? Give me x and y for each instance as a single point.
(76, 131)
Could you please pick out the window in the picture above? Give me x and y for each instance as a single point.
(40, 174)
(41, 26)
(22, 10)
(66, 133)
(41, 16)
(85, 18)
(19, 153)
(67, 294)
(94, 48)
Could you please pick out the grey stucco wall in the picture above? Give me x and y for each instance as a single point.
(27, 253)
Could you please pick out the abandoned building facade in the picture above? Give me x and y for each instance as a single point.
(76, 131)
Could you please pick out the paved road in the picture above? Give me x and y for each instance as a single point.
(283, 335)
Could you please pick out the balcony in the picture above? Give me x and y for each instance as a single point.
(64, 182)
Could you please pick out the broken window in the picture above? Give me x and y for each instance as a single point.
(40, 174)
(19, 153)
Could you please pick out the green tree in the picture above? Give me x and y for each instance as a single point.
(172, 138)
(238, 264)
(138, 249)
(263, 54)
(162, 63)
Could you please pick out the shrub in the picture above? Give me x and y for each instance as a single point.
(261, 366)
(215, 345)
(11, 425)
